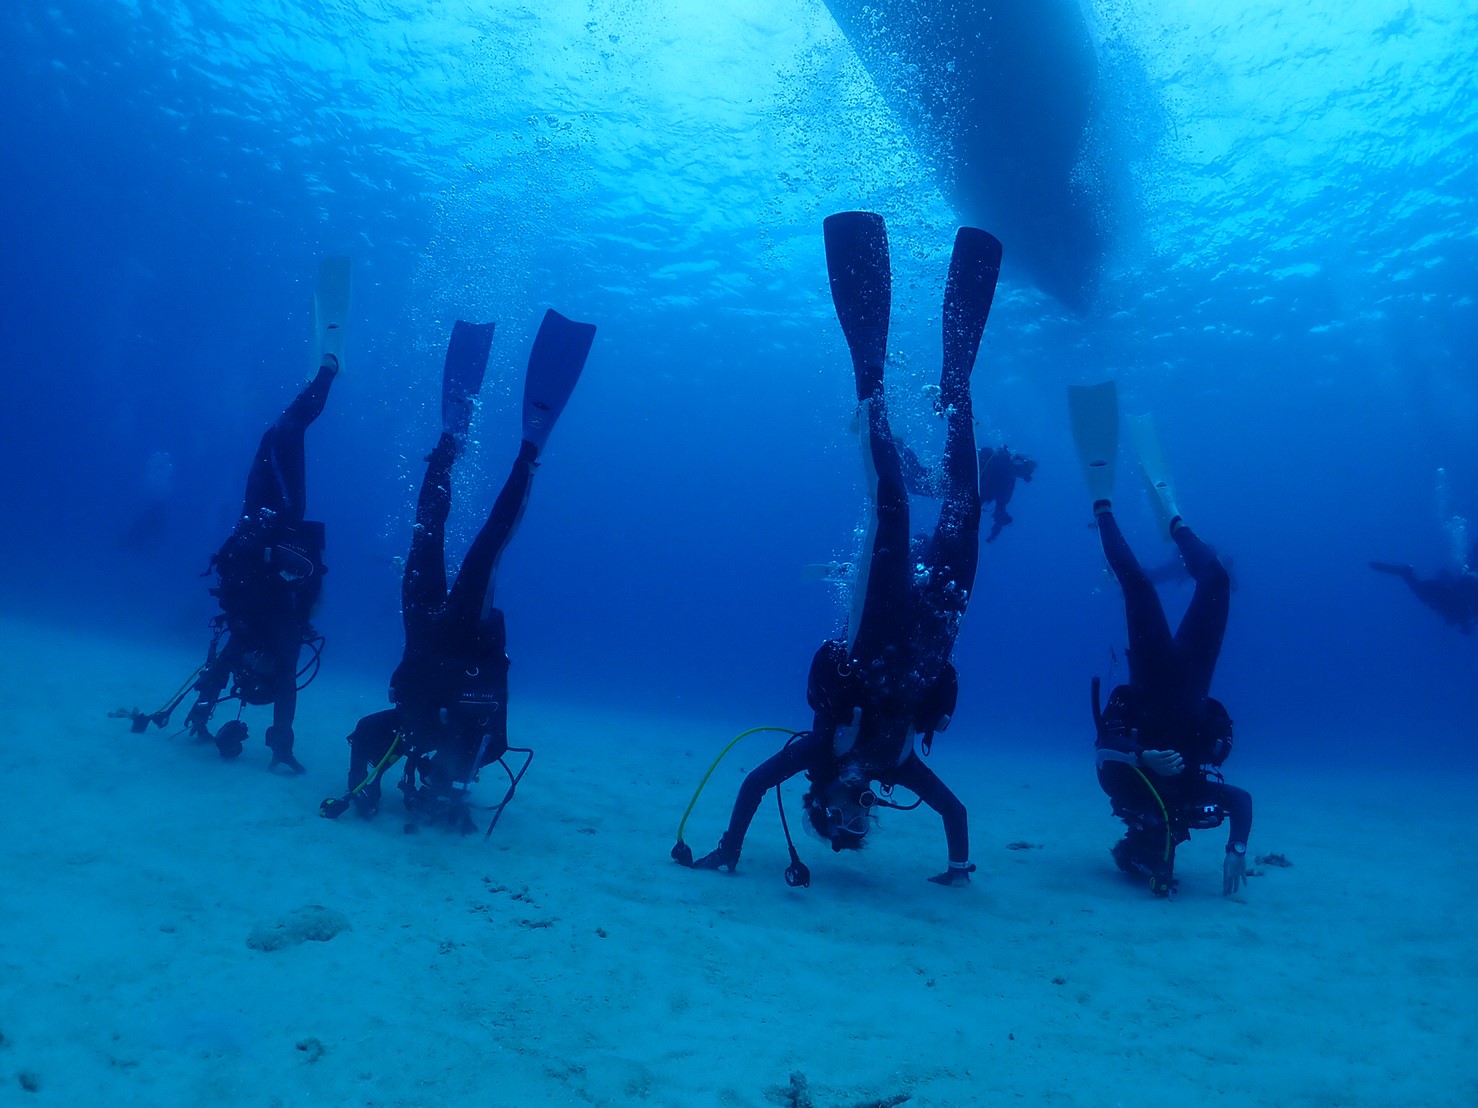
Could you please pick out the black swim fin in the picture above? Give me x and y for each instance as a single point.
(862, 290)
(461, 377)
(560, 350)
(974, 267)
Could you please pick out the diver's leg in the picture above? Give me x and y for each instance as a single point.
(277, 479)
(954, 551)
(802, 754)
(1151, 658)
(210, 685)
(285, 705)
(472, 592)
(999, 520)
(882, 603)
(924, 783)
(1198, 639)
(368, 746)
(423, 585)
(861, 278)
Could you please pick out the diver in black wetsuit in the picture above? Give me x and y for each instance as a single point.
(271, 576)
(1162, 739)
(1452, 595)
(1000, 469)
(1163, 733)
(451, 687)
(893, 680)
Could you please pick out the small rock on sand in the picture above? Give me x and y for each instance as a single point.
(310, 923)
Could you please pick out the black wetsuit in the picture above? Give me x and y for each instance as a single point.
(1452, 595)
(271, 576)
(1167, 704)
(897, 673)
(451, 687)
(999, 471)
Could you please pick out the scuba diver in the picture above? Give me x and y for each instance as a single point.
(1453, 595)
(1000, 469)
(270, 570)
(891, 679)
(1453, 592)
(450, 690)
(1161, 739)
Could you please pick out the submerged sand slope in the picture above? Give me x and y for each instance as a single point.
(567, 961)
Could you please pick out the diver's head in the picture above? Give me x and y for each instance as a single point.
(841, 812)
(1025, 466)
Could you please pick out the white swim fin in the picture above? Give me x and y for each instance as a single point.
(331, 308)
(1094, 412)
(1156, 473)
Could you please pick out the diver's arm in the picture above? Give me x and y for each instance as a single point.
(1162, 763)
(285, 706)
(1237, 803)
(922, 781)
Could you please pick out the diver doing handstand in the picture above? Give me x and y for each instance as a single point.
(1162, 738)
(450, 691)
(270, 569)
(889, 684)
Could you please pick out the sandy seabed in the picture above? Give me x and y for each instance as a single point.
(566, 960)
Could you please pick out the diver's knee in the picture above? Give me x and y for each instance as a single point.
(1215, 576)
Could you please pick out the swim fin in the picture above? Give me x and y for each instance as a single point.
(862, 290)
(1094, 412)
(832, 572)
(969, 291)
(331, 308)
(560, 350)
(1156, 473)
(461, 376)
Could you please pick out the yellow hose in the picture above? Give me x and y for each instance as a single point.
(732, 742)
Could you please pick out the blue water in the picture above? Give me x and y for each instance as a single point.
(1288, 286)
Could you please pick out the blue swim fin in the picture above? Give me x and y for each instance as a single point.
(861, 276)
(560, 350)
(461, 376)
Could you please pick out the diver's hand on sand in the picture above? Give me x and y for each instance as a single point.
(955, 875)
(1164, 763)
(1233, 872)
